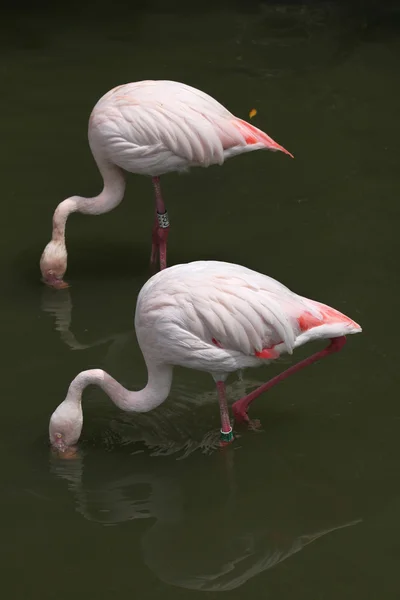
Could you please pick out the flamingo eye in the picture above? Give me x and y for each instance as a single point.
(58, 436)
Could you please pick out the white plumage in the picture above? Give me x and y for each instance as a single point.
(211, 316)
(151, 128)
(154, 127)
(180, 311)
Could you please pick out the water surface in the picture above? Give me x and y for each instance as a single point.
(307, 508)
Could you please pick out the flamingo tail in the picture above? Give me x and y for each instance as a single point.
(253, 136)
(333, 324)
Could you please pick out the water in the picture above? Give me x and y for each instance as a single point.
(307, 508)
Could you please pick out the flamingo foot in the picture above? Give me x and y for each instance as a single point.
(54, 282)
(254, 424)
(241, 416)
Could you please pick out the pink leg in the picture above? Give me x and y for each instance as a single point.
(226, 429)
(160, 229)
(241, 406)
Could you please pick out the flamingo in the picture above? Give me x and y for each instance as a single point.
(212, 316)
(150, 128)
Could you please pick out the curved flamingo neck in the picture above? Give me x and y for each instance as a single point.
(111, 195)
(61, 214)
(156, 391)
(113, 191)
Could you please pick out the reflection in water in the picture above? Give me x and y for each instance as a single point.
(58, 303)
(203, 541)
(235, 559)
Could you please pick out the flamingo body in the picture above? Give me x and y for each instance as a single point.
(155, 127)
(150, 128)
(211, 316)
(220, 317)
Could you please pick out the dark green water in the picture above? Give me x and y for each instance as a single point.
(310, 507)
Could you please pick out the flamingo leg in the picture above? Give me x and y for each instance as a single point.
(154, 243)
(160, 229)
(241, 406)
(226, 429)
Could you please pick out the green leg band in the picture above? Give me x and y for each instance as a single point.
(226, 436)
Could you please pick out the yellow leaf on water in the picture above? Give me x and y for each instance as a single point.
(252, 113)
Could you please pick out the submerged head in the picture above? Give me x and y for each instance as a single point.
(66, 425)
(53, 264)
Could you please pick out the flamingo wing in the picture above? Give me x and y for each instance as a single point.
(207, 304)
(224, 305)
(162, 125)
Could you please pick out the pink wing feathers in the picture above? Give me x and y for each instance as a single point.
(252, 135)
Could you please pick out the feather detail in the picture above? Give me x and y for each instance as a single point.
(215, 307)
(153, 127)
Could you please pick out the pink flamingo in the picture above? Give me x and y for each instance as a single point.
(211, 316)
(150, 128)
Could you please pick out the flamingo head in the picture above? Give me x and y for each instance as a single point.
(53, 264)
(66, 425)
